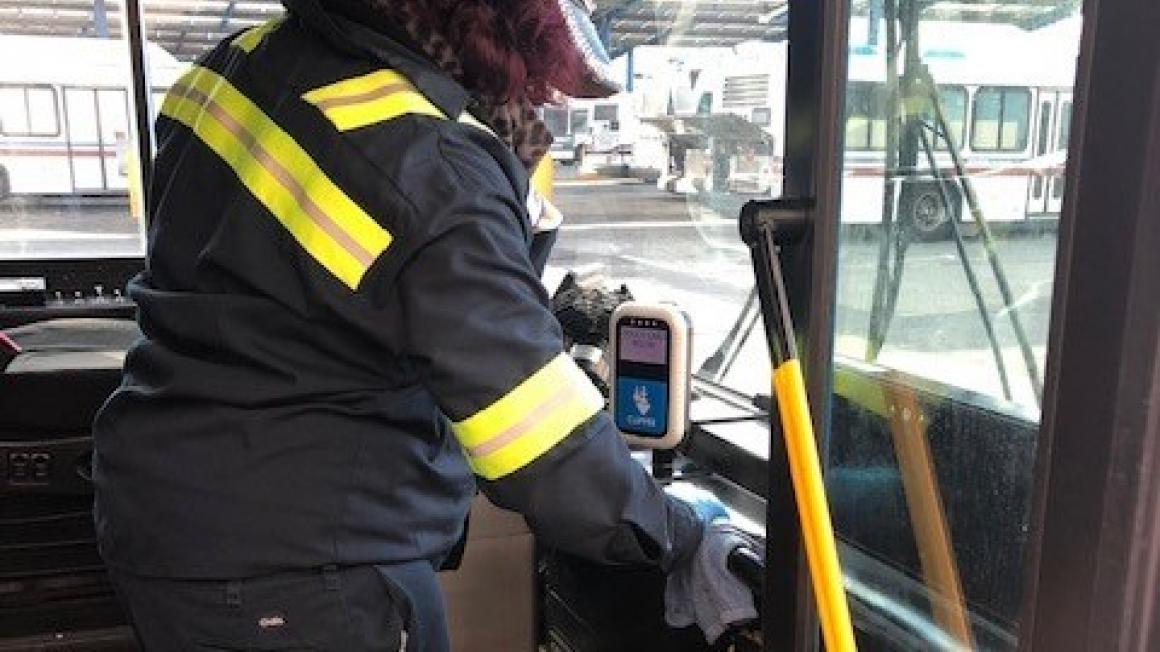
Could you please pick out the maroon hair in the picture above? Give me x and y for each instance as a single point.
(506, 49)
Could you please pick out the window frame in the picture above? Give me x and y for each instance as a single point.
(71, 275)
(1004, 92)
(961, 132)
(30, 133)
(868, 145)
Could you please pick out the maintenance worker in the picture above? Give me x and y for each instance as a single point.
(345, 335)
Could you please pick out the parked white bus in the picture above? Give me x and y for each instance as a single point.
(64, 113)
(1009, 116)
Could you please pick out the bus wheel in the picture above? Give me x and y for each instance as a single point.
(921, 208)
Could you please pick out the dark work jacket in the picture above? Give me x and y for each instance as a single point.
(331, 315)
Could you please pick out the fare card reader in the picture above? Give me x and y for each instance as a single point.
(651, 350)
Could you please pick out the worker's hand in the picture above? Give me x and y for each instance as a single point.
(703, 591)
(707, 507)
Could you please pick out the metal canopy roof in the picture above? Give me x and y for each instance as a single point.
(186, 28)
(630, 23)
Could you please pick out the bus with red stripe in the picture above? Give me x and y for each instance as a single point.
(1008, 116)
(65, 114)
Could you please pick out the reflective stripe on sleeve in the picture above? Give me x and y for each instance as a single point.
(326, 222)
(531, 419)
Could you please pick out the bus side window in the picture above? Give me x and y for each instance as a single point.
(1043, 139)
(954, 106)
(1000, 120)
(42, 114)
(556, 119)
(1064, 130)
(865, 116)
(579, 121)
(705, 106)
(13, 111)
(28, 111)
(609, 114)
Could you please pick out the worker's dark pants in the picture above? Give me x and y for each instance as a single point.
(379, 608)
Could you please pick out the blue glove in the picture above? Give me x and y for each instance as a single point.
(707, 507)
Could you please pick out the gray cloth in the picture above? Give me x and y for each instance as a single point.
(704, 592)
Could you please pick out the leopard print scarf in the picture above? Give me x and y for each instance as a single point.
(515, 121)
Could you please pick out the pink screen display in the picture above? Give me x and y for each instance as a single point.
(647, 345)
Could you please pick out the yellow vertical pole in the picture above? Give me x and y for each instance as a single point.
(813, 510)
(761, 230)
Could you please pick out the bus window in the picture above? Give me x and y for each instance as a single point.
(1044, 135)
(1063, 131)
(579, 121)
(42, 116)
(13, 111)
(28, 111)
(954, 106)
(1000, 120)
(705, 106)
(606, 112)
(556, 120)
(75, 194)
(865, 116)
(936, 375)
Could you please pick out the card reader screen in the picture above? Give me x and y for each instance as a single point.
(642, 376)
(647, 345)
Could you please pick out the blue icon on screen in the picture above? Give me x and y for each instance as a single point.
(642, 406)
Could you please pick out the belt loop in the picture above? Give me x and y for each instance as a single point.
(330, 576)
(234, 593)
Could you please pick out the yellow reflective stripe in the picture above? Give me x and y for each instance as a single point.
(333, 229)
(355, 89)
(529, 420)
(369, 99)
(250, 39)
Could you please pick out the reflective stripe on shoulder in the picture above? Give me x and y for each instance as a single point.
(326, 222)
(250, 39)
(377, 97)
(369, 99)
(531, 419)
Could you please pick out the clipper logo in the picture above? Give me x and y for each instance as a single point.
(640, 399)
(642, 406)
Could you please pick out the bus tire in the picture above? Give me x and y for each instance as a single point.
(922, 210)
